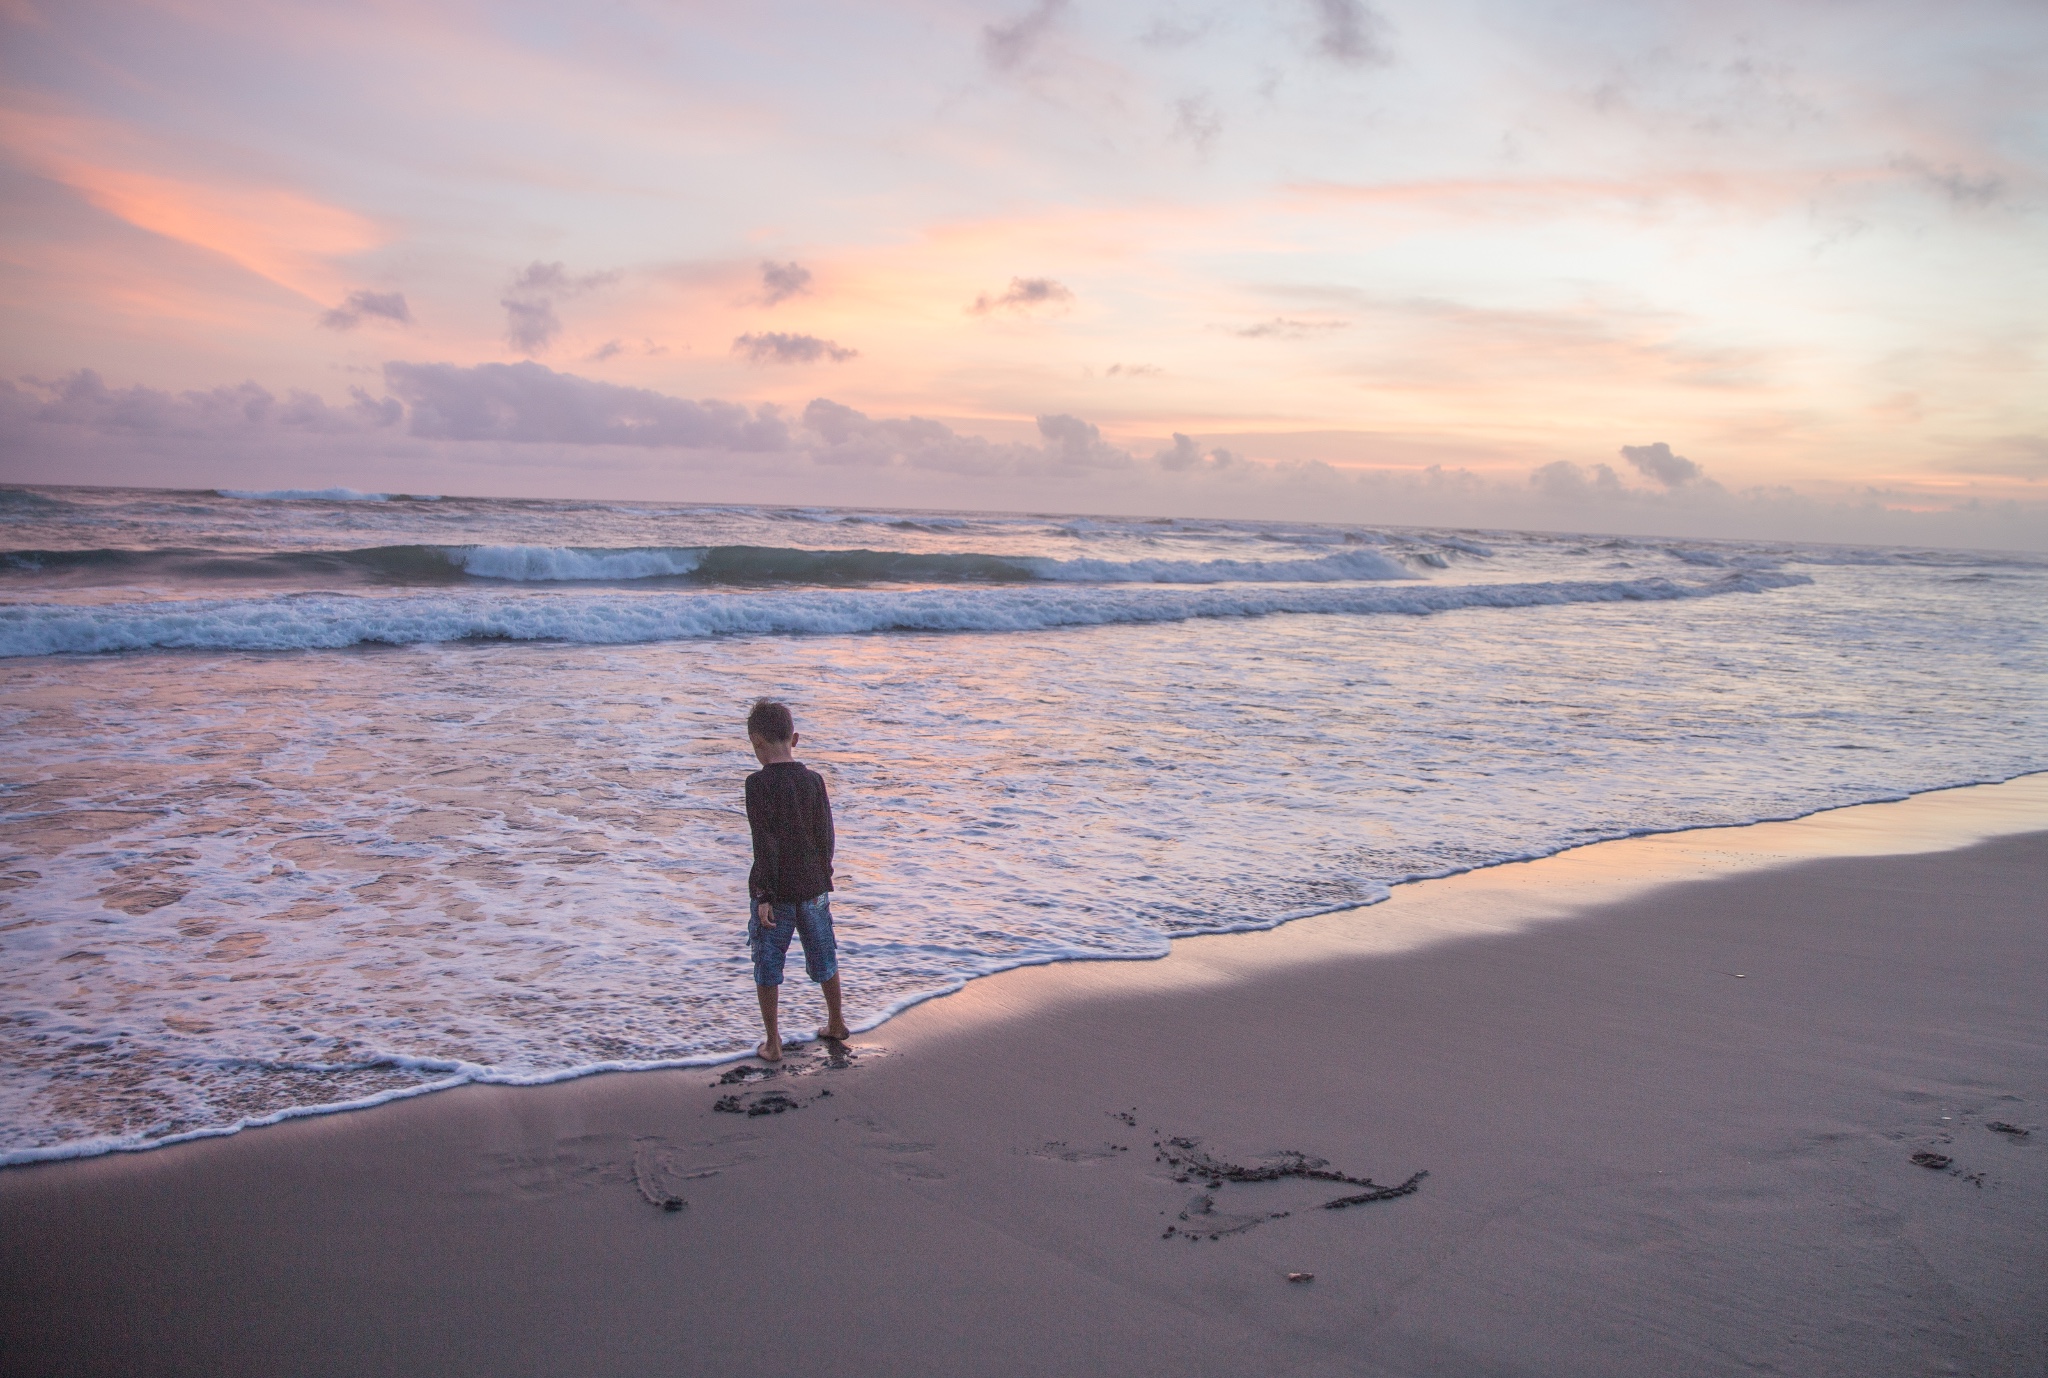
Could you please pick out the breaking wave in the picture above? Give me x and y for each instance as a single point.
(728, 564)
(304, 495)
(282, 622)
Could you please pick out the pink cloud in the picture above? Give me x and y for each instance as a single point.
(277, 233)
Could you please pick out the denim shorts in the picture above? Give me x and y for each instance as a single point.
(810, 921)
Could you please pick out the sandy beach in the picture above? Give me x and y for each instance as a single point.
(1668, 1094)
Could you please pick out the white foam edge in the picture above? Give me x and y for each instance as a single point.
(473, 1074)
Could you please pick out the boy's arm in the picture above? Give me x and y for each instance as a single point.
(761, 878)
(827, 840)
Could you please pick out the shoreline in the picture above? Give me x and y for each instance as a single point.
(1673, 1096)
(1576, 875)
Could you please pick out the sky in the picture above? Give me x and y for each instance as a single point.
(1771, 270)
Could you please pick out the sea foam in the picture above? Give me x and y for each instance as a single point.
(261, 886)
(537, 563)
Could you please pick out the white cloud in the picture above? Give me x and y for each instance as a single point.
(1006, 47)
(1283, 328)
(531, 325)
(781, 281)
(1022, 295)
(1185, 455)
(388, 306)
(1657, 462)
(774, 347)
(1350, 32)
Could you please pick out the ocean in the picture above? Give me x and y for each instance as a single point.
(314, 799)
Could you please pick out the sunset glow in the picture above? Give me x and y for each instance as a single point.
(1389, 262)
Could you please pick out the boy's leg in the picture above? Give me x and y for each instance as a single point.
(769, 942)
(835, 1025)
(821, 960)
(771, 1046)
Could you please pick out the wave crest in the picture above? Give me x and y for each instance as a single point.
(301, 495)
(741, 565)
(328, 621)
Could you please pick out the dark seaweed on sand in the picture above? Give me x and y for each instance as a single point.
(770, 1103)
(1186, 1156)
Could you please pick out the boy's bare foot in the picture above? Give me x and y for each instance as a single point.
(768, 1052)
(838, 1033)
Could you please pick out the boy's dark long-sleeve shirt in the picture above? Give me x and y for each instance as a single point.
(792, 823)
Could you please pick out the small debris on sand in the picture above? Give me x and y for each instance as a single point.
(800, 1060)
(740, 1076)
(1937, 1161)
(1378, 1193)
(1301, 1277)
(770, 1103)
(1068, 1153)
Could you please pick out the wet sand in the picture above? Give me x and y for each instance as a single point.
(1668, 1094)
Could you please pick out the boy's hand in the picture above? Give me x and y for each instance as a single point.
(767, 913)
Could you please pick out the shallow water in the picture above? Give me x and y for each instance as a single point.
(244, 881)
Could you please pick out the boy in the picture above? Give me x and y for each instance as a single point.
(792, 824)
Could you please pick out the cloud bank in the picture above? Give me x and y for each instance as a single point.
(528, 404)
(1470, 235)
(511, 428)
(85, 403)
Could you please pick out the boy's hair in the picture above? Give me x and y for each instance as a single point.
(770, 721)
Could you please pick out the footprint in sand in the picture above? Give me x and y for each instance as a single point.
(1201, 1220)
(907, 1158)
(654, 1167)
(571, 1165)
(1062, 1151)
